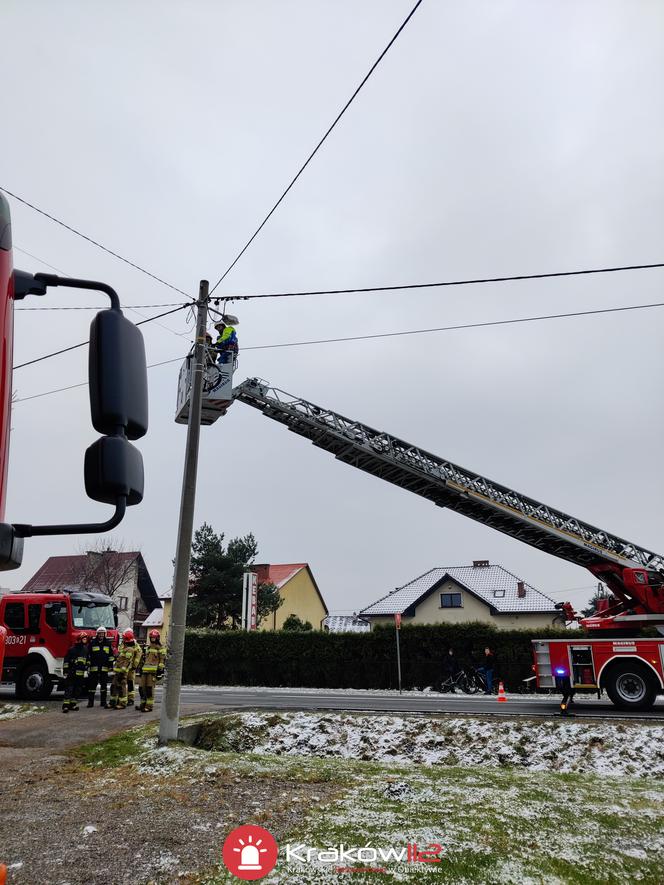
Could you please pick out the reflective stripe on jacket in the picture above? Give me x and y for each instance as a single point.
(155, 657)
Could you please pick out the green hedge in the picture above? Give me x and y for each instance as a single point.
(353, 660)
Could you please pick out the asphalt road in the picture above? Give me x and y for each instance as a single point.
(519, 705)
(211, 698)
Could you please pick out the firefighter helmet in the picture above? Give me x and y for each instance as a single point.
(128, 635)
(154, 634)
(101, 629)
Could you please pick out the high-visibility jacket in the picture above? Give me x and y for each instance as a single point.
(76, 660)
(101, 655)
(227, 340)
(125, 656)
(155, 657)
(136, 659)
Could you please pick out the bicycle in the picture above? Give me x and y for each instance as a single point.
(452, 682)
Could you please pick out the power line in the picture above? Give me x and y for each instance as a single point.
(468, 282)
(132, 307)
(96, 243)
(178, 359)
(552, 316)
(47, 356)
(316, 149)
(24, 399)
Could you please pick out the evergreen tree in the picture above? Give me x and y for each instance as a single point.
(215, 582)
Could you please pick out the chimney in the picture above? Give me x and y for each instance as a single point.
(480, 563)
(520, 589)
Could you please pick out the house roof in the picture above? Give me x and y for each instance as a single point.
(58, 574)
(281, 573)
(346, 624)
(482, 581)
(155, 618)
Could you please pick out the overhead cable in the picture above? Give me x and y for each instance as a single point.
(316, 149)
(47, 356)
(99, 245)
(445, 283)
(557, 316)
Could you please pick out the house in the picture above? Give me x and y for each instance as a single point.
(299, 591)
(122, 576)
(459, 594)
(159, 618)
(345, 624)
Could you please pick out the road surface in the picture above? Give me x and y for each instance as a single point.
(196, 698)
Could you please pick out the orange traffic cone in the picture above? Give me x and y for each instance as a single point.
(3, 874)
(502, 697)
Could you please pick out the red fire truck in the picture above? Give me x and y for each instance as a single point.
(628, 666)
(38, 628)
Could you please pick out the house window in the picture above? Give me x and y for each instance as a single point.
(450, 600)
(499, 593)
(123, 603)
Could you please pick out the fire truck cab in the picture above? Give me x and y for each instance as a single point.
(631, 671)
(40, 630)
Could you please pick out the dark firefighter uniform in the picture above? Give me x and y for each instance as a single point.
(101, 663)
(122, 666)
(154, 662)
(131, 674)
(75, 670)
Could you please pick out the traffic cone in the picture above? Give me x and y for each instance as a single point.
(502, 697)
(3, 874)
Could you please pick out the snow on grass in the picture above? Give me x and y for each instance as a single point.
(607, 748)
(18, 711)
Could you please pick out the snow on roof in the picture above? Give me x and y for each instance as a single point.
(154, 619)
(346, 624)
(491, 583)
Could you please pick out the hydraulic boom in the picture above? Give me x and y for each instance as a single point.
(634, 575)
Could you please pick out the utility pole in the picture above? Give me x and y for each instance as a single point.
(170, 703)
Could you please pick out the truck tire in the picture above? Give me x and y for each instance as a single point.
(631, 686)
(34, 683)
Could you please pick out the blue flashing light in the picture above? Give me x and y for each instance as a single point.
(561, 671)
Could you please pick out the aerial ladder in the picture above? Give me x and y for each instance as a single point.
(634, 574)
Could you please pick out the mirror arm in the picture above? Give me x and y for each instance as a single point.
(36, 284)
(92, 528)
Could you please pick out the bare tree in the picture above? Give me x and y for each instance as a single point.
(104, 568)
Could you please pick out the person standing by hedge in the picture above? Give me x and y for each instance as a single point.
(154, 663)
(487, 669)
(131, 674)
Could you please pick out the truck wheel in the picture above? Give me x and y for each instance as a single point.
(34, 683)
(631, 686)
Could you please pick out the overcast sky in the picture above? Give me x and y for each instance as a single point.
(495, 138)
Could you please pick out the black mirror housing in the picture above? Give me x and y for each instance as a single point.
(118, 377)
(114, 469)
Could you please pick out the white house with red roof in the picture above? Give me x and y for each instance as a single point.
(299, 591)
(460, 594)
(122, 575)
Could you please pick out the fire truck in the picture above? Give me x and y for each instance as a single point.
(38, 628)
(629, 667)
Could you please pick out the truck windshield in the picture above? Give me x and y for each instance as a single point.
(90, 615)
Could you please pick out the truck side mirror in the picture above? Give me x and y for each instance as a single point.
(118, 376)
(114, 469)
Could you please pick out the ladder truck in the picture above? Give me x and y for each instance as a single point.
(609, 654)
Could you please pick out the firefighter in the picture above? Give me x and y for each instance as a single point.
(154, 663)
(101, 662)
(226, 343)
(123, 663)
(74, 668)
(131, 674)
